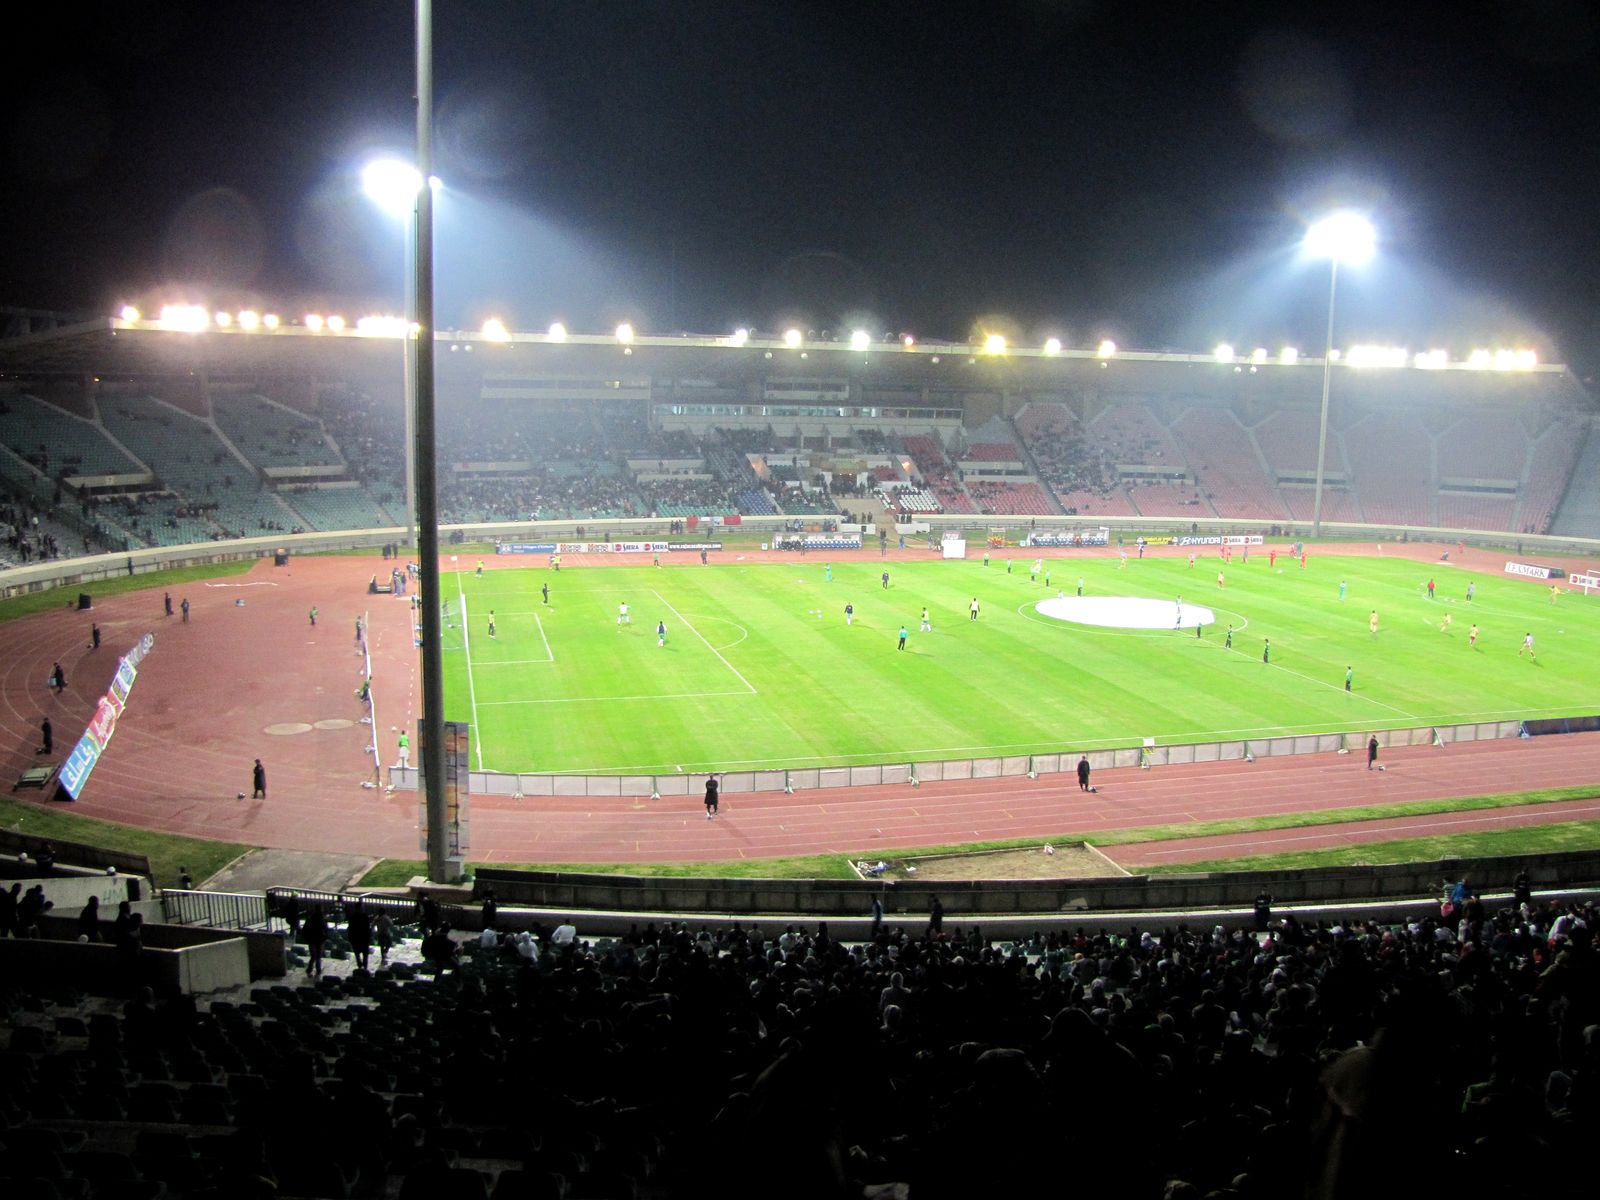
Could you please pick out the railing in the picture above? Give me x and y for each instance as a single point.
(335, 904)
(215, 910)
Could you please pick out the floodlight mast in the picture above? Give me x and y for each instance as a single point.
(442, 868)
(1350, 237)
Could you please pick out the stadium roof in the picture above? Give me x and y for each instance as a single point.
(118, 347)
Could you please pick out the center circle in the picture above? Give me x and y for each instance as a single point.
(1126, 612)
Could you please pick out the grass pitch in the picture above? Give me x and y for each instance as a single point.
(760, 670)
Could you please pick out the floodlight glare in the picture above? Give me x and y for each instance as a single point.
(740, 336)
(1288, 356)
(495, 330)
(249, 319)
(994, 343)
(1223, 352)
(1106, 349)
(558, 332)
(1052, 346)
(223, 319)
(392, 185)
(130, 313)
(1479, 359)
(791, 338)
(860, 340)
(1345, 237)
(185, 318)
(313, 322)
(1258, 355)
(336, 323)
(625, 333)
(908, 341)
(270, 320)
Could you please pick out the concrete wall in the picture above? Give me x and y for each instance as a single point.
(851, 898)
(69, 893)
(75, 854)
(99, 969)
(266, 953)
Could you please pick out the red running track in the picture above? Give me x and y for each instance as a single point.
(210, 691)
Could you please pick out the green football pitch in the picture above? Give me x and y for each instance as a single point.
(760, 670)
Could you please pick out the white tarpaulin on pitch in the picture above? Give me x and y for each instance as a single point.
(1126, 612)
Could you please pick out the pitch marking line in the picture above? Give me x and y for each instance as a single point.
(702, 637)
(472, 692)
(616, 699)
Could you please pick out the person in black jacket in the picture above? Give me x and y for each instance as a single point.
(316, 932)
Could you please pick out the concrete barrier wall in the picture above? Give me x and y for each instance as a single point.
(99, 968)
(825, 898)
(75, 854)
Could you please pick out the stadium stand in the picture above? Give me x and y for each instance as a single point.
(271, 435)
(189, 458)
(58, 443)
(1483, 446)
(1187, 1061)
(1022, 499)
(336, 507)
(1568, 450)
(1229, 471)
(1179, 500)
(1126, 431)
(937, 475)
(1391, 465)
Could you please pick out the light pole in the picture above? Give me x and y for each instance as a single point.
(1342, 237)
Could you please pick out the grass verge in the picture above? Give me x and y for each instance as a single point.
(1532, 839)
(167, 852)
(67, 595)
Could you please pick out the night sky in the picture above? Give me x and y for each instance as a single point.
(1068, 167)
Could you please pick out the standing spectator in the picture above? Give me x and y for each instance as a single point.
(291, 916)
(1083, 773)
(1263, 910)
(58, 678)
(936, 919)
(185, 607)
(47, 737)
(166, 602)
(316, 932)
(711, 796)
(258, 781)
(877, 917)
(94, 635)
(359, 931)
(383, 929)
(185, 880)
(8, 911)
(89, 921)
(1372, 751)
(404, 755)
(491, 908)
(428, 915)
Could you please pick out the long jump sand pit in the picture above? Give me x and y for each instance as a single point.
(1126, 612)
(1067, 860)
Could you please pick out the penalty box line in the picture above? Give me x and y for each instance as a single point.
(685, 622)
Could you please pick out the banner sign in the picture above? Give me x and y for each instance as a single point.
(525, 548)
(1530, 570)
(696, 546)
(75, 770)
(1099, 538)
(818, 541)
(1233, 539)
(1584, 581)
(610, 548)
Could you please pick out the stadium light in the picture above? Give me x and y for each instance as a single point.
(1052, 346)
(1106, 349)
(271, 321)
(393, 185)
(1340, 237)
(1223, 353)
(129, 313)
(249, 319)
(625, 333)
(223, 319)
(313, 322)
(791, 338)
(1431, 360)
(908, 341)
(558, 332)
(336, 324)
(1258, 355)
(185, 318)
(994, 343)
(860, 340)
(494, 329)
(1288, 356)
(740, 336)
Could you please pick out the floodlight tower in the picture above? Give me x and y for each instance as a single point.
(1341, 237)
